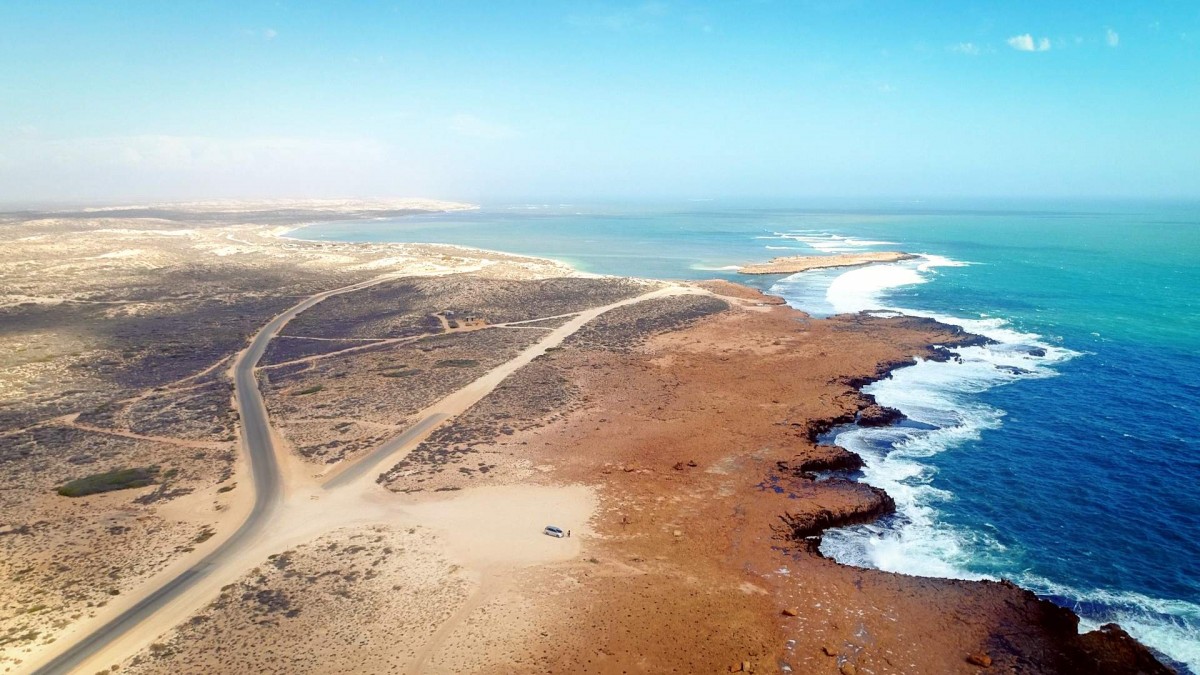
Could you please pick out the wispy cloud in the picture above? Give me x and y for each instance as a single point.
(968, 48)
(267, 34)
(471, 126)
(1026, 43)
(1112, 38)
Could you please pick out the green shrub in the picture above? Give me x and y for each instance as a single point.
(121, 479)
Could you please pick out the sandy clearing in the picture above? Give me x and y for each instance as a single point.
(501, 526)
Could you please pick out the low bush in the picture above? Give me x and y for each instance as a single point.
(121, 479)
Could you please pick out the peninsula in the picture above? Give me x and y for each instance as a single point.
(804, 263)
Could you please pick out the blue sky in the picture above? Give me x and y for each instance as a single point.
(483, 100)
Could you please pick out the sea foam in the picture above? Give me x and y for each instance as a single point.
(944, 412)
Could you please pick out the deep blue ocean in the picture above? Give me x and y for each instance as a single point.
(1064, 457)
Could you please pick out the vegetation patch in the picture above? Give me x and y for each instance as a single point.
(311, 390)
(121, 479)
(456, 363)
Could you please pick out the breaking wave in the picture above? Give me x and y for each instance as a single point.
(940, 400)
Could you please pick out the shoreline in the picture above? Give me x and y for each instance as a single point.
(759, 325)
(290, 234)
(885, 416)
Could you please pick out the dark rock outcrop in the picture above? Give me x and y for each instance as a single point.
(876, 415)
(1115, 652)
(822, 458)
(1049, 640)
(862, 504)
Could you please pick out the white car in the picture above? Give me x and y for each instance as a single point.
(554, 531)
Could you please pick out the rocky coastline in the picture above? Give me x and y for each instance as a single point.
(1107, 650)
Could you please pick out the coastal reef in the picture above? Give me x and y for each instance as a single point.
(804, 263)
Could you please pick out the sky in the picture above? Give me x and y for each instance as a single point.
(474, 100)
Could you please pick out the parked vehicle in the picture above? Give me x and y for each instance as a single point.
(554, 531)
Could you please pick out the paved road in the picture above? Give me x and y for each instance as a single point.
(259, 445)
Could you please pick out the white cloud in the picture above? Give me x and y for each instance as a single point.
(267, 34)
(968, 48)
(474, 127)
(1112, 37)
(1026, 43)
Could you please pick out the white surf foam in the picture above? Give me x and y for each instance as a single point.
(1169, 626)
(940, 397)
(831, 243)
(860, 289)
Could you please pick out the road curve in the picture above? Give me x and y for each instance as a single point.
(259, 446)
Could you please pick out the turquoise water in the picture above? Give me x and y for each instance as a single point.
(1063, 457)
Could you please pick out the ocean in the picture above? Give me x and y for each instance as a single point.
(1064, 457)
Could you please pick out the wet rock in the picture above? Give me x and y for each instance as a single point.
(1052, 642)
(862, 504)
(1115, 651)
(812, 429)
(876, 415)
